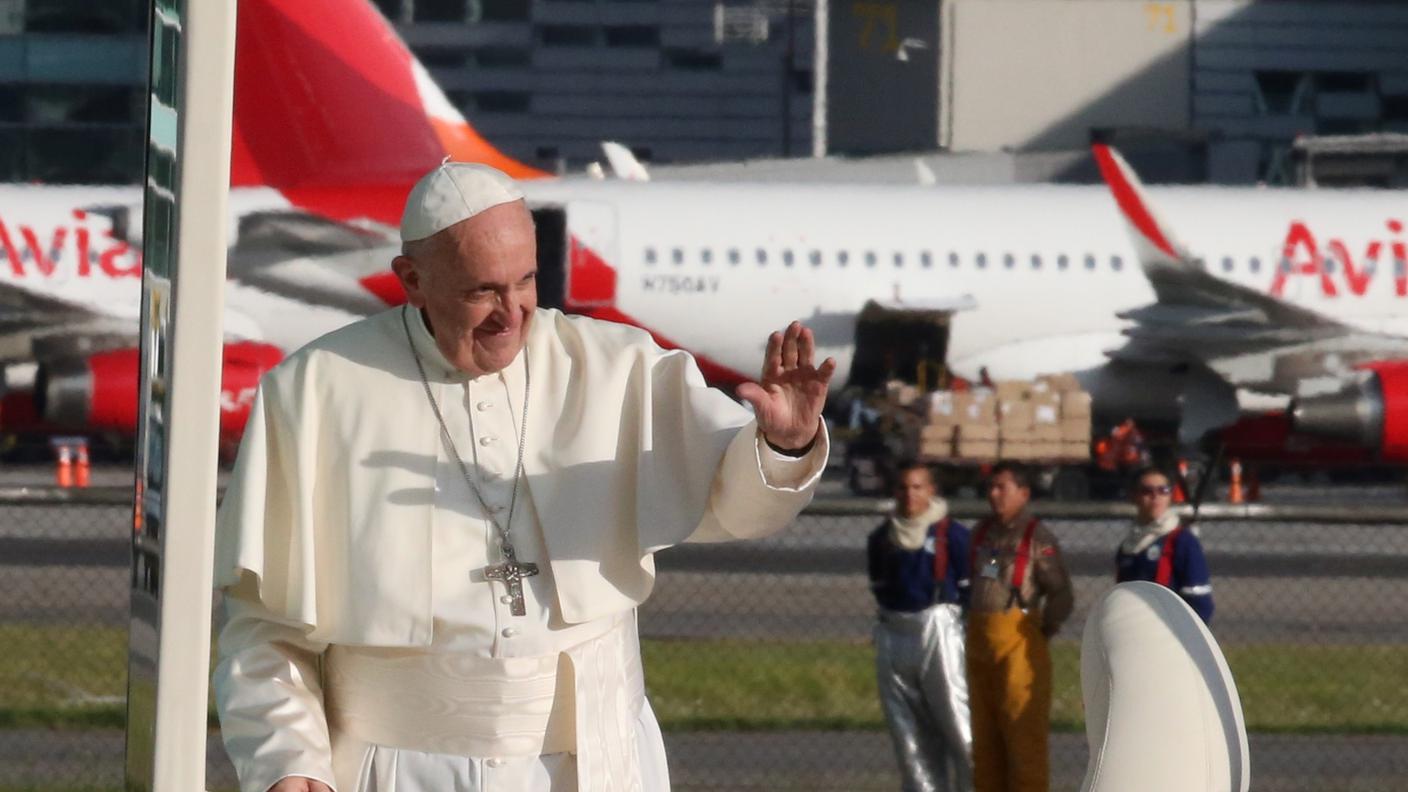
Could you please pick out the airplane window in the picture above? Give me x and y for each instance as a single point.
(953, 259)
(899, 259)
(1036, 261)
(677, 256)
(1285, 265)
(1063, 261)
(869, 258)
(1008, 261)
(733, 257)
(787, 258)
(1116, 263)
(706, 256)
(816, 258)
(650, 256)
(762, 257)
(1226, 263)
(842, 258)
(1255, 264)
(1089, 261)
(1330, 264)
(926, 259)
(982, 260)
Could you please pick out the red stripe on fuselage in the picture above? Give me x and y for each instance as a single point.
(591, 282)
(1128, 199)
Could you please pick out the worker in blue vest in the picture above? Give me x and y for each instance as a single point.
(919, 561)
(1161, 547)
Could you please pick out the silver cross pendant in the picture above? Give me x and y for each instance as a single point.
(511, 573)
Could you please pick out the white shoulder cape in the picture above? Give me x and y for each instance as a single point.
(328, 513)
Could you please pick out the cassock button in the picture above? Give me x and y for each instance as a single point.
(509, 632)
(486, 440)
(482, 406)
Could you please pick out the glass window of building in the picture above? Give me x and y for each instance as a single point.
(693, 59)
(85, 16)
(633, 36)
(441, 10)
(502, 58)
(503, 101)
(499, 10)
(567, 35)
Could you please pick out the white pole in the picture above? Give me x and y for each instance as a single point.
(821, 21)
(189, 418)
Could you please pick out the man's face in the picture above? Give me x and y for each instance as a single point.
(477, 284)
(1007, 497)
(913, 492)
(1152, 496)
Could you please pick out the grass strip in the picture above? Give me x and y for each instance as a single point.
(74, 678)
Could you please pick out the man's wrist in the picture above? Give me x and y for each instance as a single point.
(796, 453)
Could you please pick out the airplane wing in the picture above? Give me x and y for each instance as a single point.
(312, 259)
(1253, 340)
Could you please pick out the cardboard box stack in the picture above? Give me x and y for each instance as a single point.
(1048, 418)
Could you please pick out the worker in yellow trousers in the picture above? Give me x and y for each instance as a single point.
(1021, 594)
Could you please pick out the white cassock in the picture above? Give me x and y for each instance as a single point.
(363, 645)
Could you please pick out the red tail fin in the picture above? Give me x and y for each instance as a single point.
(327, 96)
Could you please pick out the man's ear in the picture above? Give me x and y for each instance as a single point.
(406, 272)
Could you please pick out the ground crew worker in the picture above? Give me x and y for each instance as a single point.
(919, 560)
(1020, 595)
(1162, 548)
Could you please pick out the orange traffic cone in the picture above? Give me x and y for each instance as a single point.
(1234, 488)
(1180, 494)
(63, 472)
(81, 471)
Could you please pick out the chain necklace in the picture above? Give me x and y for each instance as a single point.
(511, 572)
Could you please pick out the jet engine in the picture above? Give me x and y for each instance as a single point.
(1371, 410)
(99, 392)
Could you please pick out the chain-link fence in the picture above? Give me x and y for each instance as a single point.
(758, 657)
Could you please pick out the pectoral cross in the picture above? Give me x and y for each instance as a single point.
(511, 573)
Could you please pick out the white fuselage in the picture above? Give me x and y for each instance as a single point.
(1048, 268)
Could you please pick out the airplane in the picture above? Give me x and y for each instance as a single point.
(1288, 291)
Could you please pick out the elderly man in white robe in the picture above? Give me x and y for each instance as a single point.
(443, 518)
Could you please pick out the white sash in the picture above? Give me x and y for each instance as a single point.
(463, 705)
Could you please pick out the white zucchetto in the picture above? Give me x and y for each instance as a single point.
(453, 192)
